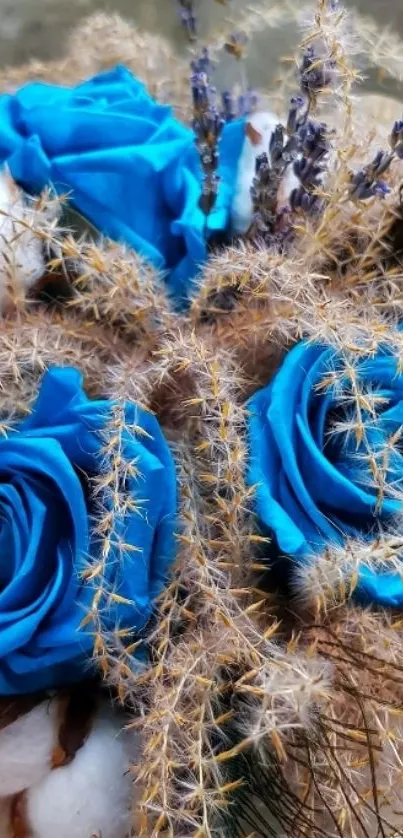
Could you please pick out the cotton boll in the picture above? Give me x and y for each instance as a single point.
(94, 794)
(25, 748)
(21, 258)
(258, 131)
(288, 183)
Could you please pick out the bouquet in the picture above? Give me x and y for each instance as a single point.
(201, 413)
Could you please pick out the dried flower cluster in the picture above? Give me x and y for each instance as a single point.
(261, 710)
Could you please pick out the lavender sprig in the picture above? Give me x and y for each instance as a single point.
(264, 195)
(271, 224)
(315, 73)
(306, 148)
(207, 125)
(313, 148)
(229, 109)
(367, 182)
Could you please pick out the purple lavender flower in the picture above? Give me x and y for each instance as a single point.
(264, 196)
(188, 18)
(270, 223)
(382, 189)
(379, 165)
(302, 143)
(207, 125)
(276, 145)
(361, 189)
(306, 202)
(308, 173)
(366, 183)
(209, 193)
(313, 140)
(202, 90)
(315, 73)
(228, 111)
(312, 143)
(306, 147)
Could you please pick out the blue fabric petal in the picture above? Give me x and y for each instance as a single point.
(128, 165)
(311, 491)
(46, 537)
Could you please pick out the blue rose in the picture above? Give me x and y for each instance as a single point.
(315, 488)
(129, 166)
(47, 533)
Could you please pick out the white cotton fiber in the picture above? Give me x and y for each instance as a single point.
(92, 796)
(261, 126)
(21, 258)
(25, 748)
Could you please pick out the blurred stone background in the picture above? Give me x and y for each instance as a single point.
(38, 28)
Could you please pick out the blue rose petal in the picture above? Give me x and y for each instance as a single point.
(128, 165)
(46, 533)
(312, 491)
